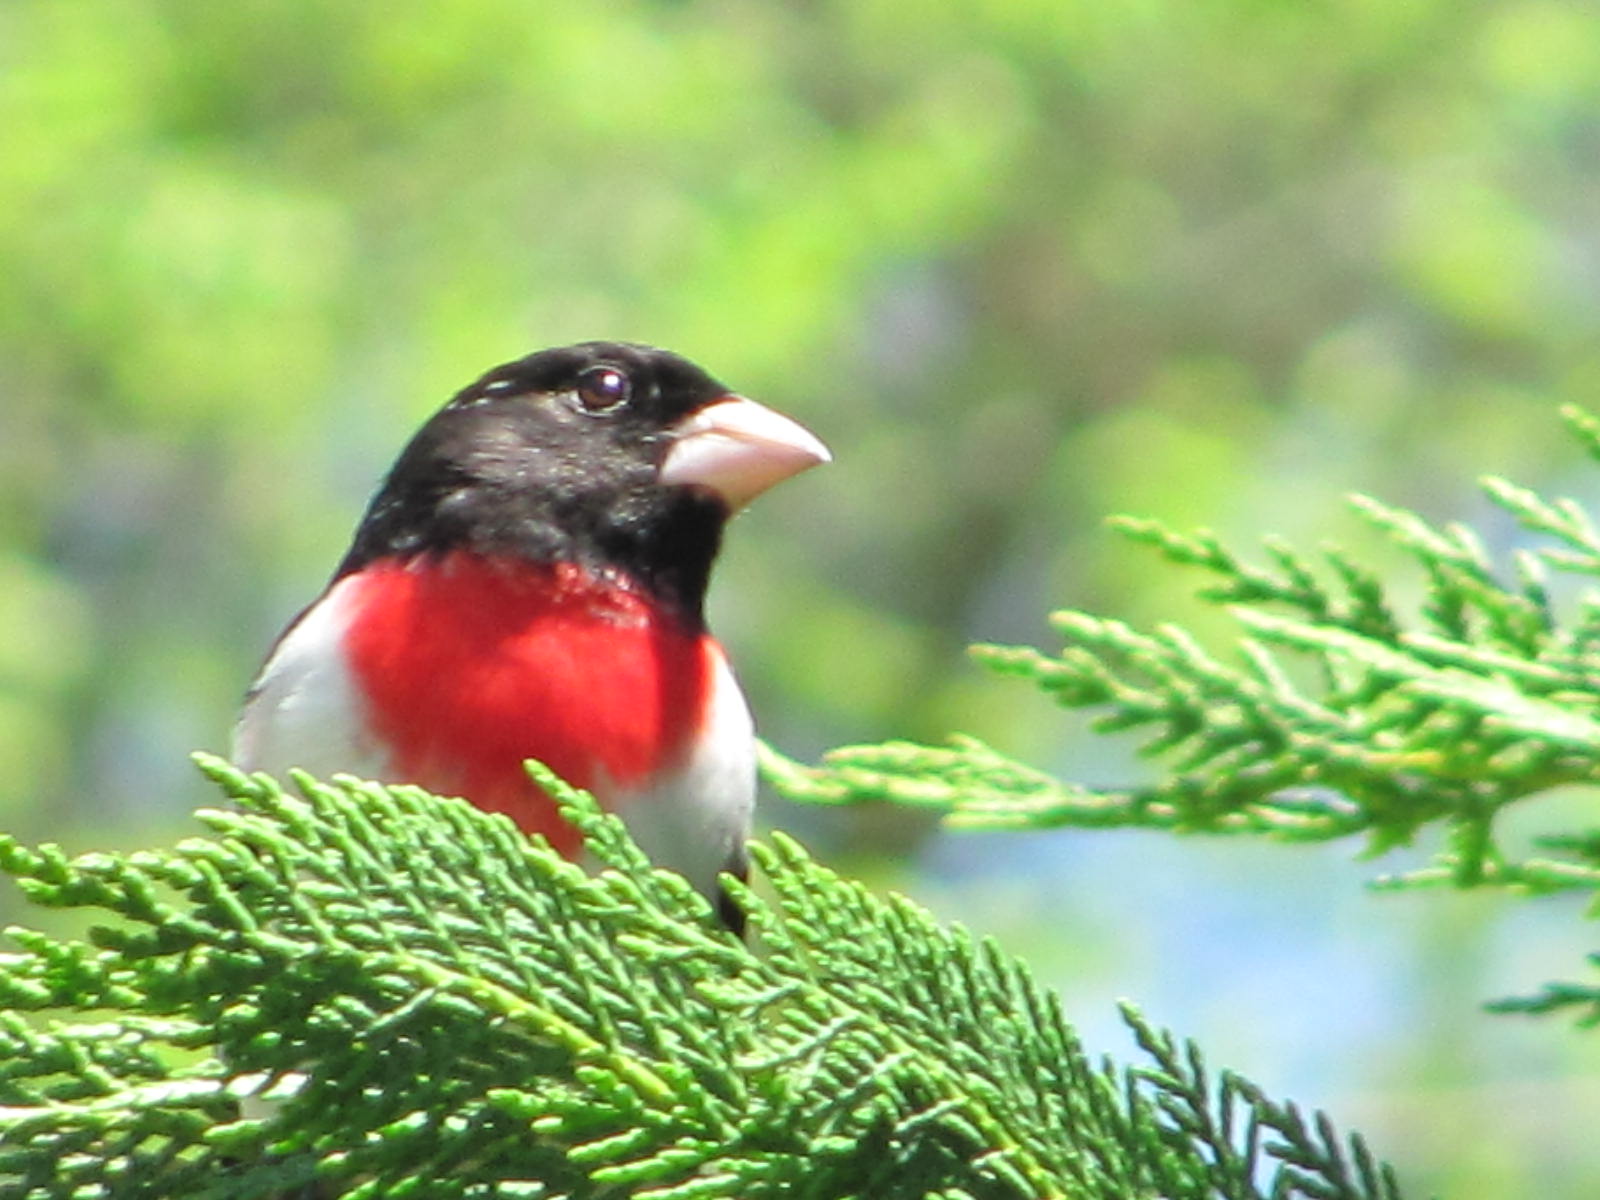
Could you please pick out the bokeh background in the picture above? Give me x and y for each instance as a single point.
(1023, 264)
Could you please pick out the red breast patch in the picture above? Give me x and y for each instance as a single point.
(470, 665)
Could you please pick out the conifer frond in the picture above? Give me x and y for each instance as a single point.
(1335, 712)
(439, 1007)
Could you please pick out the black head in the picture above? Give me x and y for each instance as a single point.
(559, 456)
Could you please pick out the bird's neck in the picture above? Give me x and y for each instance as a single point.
(660, 543)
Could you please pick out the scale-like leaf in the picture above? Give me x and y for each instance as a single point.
(434, 1006)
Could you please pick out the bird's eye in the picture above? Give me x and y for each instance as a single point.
(602, 388)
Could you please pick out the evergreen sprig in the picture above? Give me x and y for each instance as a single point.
(437, 1007)
(1337, 714)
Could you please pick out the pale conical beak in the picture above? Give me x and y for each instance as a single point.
(738, 449)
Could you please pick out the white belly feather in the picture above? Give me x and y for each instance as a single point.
(304, 709)
(697, 821)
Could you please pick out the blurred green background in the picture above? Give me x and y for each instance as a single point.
(1022, 264)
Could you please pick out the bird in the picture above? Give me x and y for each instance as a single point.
(528, 582)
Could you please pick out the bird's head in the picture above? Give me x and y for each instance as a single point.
(608, 454)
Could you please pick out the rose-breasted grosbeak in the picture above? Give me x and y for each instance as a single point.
(528, 582)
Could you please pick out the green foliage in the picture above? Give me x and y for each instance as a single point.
(1021, 264)
(1339, 715)
(1577, 999)
(439, 1008)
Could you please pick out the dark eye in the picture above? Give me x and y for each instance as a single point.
(602, 388)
